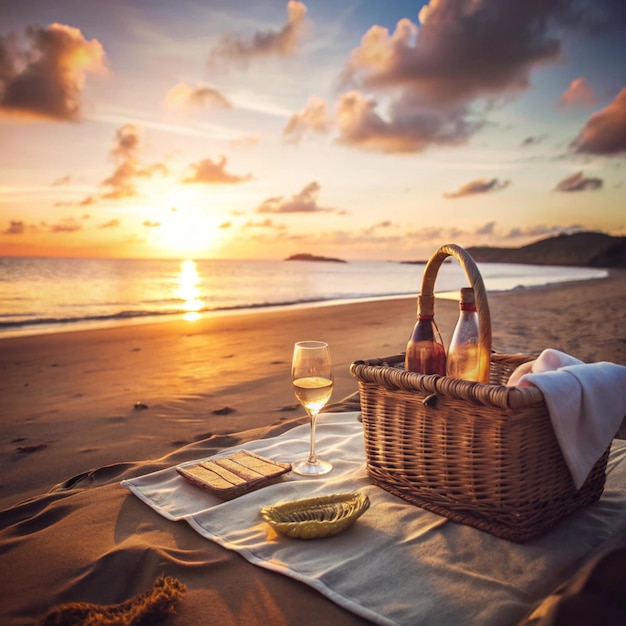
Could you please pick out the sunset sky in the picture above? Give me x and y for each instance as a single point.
(372, 129)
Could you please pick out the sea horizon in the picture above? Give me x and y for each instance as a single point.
(42, 295)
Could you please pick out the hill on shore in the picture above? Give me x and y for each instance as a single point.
(585, 249)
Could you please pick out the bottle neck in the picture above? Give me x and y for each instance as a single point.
(468, 306)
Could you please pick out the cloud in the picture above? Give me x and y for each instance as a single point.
(430, 76)
(605, 131)
(486, 229)
(247, 141)
(110, 224)
(479, 186)
(63, 180)
(314, 117)
(66, 225)
(15, 228)
(463, 49)
(577, 182)
(541, 230)
(578, 91)
(282, 42)
(266, 223)
(126, 142)
(305, 201)
(596, 17)
(183, 96)
(370, 230)
(47, 81)
(122, 183)
(409, 127)
(383, 224)
(214, 172)
(533, 140)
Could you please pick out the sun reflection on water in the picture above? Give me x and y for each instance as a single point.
(189, 291)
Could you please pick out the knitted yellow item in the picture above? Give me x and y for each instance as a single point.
(145, 608)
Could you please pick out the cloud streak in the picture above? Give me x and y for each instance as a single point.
(185, 97)
(66, 225)
(479, 186)
(114, 223)
(305, 201)
(267, 223)
(578, 182)
(282, 42)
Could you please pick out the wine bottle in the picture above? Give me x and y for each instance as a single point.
(464, 352)
(425, 352)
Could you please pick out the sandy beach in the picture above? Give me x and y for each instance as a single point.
(71, 431)
(79, 400)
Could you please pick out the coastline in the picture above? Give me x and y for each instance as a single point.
(87, 297)
(69, 397)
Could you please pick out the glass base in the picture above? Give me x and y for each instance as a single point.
(304, 468)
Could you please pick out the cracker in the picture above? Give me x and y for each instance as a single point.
(233, 475)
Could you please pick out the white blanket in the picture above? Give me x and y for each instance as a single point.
(398, 564)
(586, 402)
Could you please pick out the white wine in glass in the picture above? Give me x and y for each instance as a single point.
(312, 378)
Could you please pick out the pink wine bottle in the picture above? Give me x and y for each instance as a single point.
(464, 352)
(425, 352)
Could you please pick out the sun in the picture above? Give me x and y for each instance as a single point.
(183, 222)
(188, 232)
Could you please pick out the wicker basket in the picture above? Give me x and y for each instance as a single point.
(480, 454)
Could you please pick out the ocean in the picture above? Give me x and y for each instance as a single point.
(43, 295)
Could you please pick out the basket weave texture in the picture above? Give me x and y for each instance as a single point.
(481, 454)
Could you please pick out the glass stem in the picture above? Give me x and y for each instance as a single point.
(312, 458)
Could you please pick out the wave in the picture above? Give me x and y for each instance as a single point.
(50, 295)
(140, 314)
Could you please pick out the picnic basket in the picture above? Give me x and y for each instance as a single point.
(481, 454)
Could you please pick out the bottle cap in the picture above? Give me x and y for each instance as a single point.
(467, 295)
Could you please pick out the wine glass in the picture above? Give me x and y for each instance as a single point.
(312, 378)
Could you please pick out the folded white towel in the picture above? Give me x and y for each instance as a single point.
(587, 403)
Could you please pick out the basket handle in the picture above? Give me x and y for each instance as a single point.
(480, 294)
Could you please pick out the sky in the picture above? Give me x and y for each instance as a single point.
(371, 129)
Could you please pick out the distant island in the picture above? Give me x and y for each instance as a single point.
(313, 257)
(421, 262)
(583, 249)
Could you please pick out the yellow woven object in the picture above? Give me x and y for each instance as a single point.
(314, 518)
